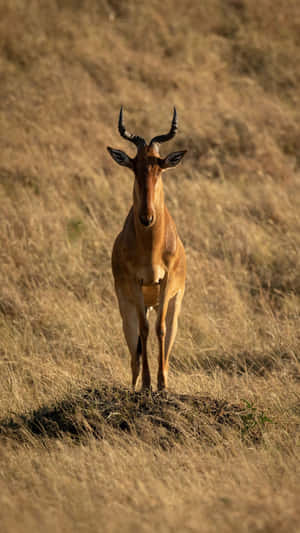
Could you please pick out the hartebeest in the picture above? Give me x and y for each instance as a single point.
(148, 259)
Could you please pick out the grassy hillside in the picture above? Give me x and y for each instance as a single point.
(78, 451)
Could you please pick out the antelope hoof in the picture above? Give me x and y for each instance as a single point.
(147, 390)
(162, 384)
(162, 392)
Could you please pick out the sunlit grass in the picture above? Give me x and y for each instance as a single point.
(78, 451)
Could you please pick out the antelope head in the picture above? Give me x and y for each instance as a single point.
(148, 167)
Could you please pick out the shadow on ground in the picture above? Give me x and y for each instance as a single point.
(161, 419)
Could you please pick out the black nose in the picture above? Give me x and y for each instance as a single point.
(146, 220)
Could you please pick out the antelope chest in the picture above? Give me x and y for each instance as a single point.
(151, 295)
(149, 277)
(150, 274)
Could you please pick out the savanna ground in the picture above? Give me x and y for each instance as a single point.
(79, 451)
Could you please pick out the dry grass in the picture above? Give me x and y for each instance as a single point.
(78, 451)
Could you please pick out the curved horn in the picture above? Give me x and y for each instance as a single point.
(163, 138)
(135, 139)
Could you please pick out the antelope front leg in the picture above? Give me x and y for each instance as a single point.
(162, 364)
(143, 335)
(161, 335)
(131, 331)
(136, 328)
(144, 331)
(166, 329)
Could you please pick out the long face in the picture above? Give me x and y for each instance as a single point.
(148, 167)
(148, 189)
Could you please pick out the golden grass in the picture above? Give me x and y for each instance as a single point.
(78, 451)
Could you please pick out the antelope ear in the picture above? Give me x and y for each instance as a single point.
(120, 157)
(172, 159)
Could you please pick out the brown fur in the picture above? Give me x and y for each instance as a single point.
(148, 264)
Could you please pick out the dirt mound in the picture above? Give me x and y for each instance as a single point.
(164, 418)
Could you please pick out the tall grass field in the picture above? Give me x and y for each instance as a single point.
(79, 452)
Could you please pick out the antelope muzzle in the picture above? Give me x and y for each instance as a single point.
(147, 219)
